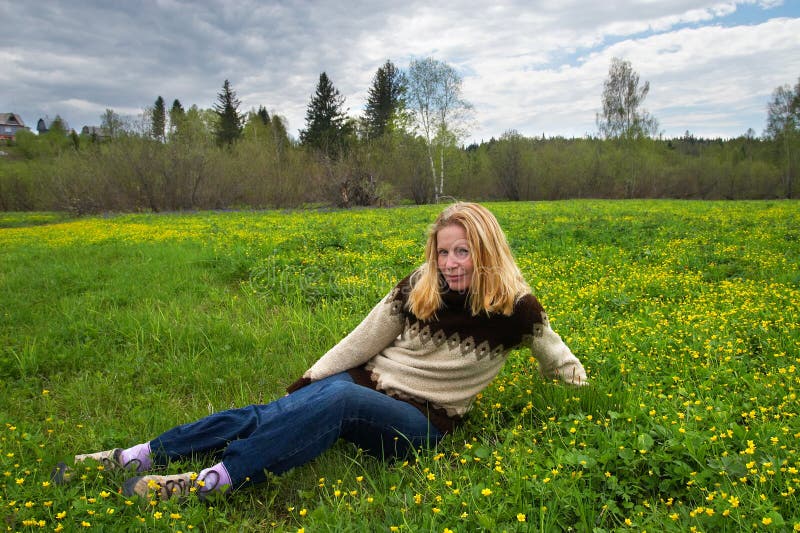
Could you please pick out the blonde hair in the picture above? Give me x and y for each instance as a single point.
(496, 279)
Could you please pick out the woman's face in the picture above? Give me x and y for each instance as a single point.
(454, 257)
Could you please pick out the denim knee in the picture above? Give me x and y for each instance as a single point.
(339, 390)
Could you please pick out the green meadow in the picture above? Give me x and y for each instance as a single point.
(685, 314)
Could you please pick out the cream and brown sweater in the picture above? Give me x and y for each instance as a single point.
(447, 360)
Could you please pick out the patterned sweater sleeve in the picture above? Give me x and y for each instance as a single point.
(555, 358)
(377, 331)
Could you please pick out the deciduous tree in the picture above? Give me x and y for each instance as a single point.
(783, 126)
(624, 120)
(111, 124)
(623, 96)
(511, 161)
(440, 111)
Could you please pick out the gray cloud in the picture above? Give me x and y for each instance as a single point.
(537, 67)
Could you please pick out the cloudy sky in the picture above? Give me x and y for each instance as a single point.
(536, 66)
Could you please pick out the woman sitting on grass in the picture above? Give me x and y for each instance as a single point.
(401, 380)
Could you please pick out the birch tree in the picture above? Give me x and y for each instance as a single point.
(783, 126)
(623, 118)
(440, 111)
(623, 96)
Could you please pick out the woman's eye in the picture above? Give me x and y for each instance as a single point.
(462, 252)
(442, 252)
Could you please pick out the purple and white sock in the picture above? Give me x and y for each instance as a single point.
(215, 479)
(140, 454)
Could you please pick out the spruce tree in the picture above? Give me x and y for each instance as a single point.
(263, 115)
(386, 100)
(229, 121)
(158, 120)
(176, 111)
(176, 115)
(326, 120)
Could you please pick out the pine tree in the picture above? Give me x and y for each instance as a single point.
(326, 121)
(176, 111)
(158, 120)
(229, 121)
(176, 116)
(386, 100)
(263, 115)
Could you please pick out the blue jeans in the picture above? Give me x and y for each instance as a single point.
(295, 429)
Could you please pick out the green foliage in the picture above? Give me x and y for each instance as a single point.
(389, 161)
(20, 188)
(514, 166)
(56, 141)
(191, 172)
(115, 328)
(27, 144)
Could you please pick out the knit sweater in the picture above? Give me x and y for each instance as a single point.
(446, 360)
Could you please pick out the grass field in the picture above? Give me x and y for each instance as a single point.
(685, 314)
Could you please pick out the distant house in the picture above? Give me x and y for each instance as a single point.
(45, 124)
(95, 132)
(10, 124)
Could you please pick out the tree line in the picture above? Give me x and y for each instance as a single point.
(406, 147)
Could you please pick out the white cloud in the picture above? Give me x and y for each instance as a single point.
(532, 65)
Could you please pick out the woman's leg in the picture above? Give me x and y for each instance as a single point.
(286, 433)
(211, 434)
(301, 426)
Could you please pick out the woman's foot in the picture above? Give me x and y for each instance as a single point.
(109, 459)
(175, 485)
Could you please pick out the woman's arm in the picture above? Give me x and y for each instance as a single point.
(555, 358)
(377, 331)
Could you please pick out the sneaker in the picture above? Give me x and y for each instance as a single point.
(180, 485)
(165, 487)
(108, 459)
